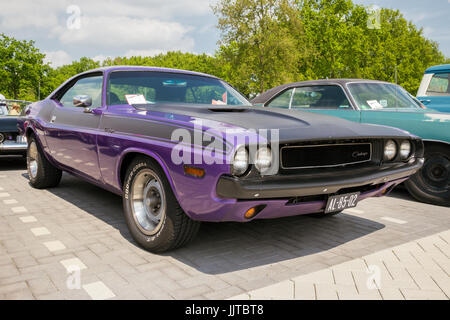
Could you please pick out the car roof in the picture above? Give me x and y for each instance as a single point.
(265, 96)
(145, 68)
(438, 68)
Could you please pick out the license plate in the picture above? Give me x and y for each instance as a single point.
(341, 202)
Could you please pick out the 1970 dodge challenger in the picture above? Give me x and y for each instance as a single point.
(378, 102)
(182, 147)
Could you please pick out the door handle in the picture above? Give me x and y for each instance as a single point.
(109, 130)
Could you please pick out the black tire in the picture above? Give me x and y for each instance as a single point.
(431, 184)
(174, 229)
(44, 175)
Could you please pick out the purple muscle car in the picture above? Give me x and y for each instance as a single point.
(182, 147)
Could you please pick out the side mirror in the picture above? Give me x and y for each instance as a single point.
(82, 101)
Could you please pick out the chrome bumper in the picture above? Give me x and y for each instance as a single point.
(14, 146)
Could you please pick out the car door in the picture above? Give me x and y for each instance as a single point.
(73, 130)
(325, 99)
(436, 96)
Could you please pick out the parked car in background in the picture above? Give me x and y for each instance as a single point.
(434, 90)
(120, 128)
(11, 142)
(377, 102)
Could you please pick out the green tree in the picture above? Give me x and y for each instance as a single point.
(344, 46)
(260, 43)
(173, 59)
(55, 77)
(21, 68)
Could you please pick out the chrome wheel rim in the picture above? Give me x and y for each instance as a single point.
(148, 202)
(32, 162)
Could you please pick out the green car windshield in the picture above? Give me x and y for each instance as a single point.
(376, 96)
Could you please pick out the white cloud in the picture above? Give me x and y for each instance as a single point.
(143, 53)
(124, 32)
(19, 14)
(108, 27)
(57, 58)
(100, 58)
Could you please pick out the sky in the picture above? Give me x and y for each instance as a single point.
(67, 30)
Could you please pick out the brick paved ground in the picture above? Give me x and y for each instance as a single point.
(48, 237)
(415, 270)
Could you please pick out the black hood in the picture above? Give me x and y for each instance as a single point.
(293, 125)
(8, 124)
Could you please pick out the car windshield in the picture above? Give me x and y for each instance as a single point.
(374, 96)
(150, 87)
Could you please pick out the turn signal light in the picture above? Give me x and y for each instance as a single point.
(252, 212)
(195, 172)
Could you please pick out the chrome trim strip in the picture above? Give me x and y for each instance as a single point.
(327, 145)
(13, 146)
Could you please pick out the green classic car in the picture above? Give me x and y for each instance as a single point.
(378, 102)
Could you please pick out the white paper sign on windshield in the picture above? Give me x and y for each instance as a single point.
(135, 99)
(374, 104)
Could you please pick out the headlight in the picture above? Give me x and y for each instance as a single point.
(263, 159)
(390, 150)
(405, 149)
(2, 137)
(240, 162)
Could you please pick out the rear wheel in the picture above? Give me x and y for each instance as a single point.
(154, 216)
(41, 172)
(432, 183)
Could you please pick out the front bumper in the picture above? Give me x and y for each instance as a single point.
(297, 186)
(279, 208)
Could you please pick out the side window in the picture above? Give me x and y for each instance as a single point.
(3, 110)
(320, 97)
(439, 85)
(282, 101)
(91, 86)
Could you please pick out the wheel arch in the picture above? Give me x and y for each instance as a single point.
(129, 155)
(435, 143)
(29, 131)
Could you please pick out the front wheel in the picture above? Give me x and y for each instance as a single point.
(431, 184)
(154, 216)
(41, 172)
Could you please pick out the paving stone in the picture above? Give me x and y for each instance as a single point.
(414, 294)
(304, 291)
(8, 270)
(41, 286)
(325, 291)
(54, 245)
(281, 290)
(98, 291)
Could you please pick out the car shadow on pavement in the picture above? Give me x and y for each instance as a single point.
(226, 247)
(8, 163)
(400, 192)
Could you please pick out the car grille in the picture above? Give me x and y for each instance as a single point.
(325, 155)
